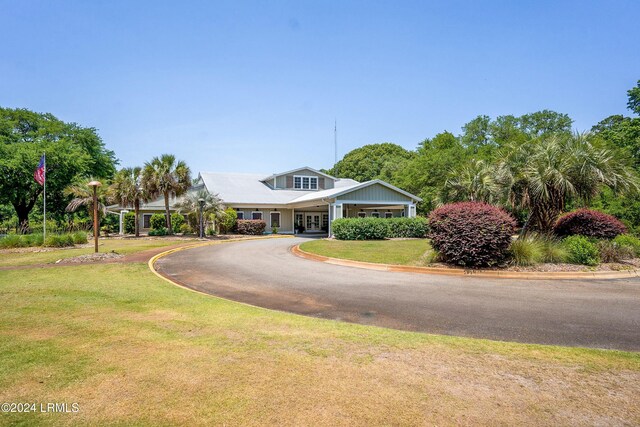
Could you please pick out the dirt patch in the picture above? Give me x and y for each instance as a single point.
(96, 257)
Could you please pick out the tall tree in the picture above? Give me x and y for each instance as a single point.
(544, 174)
(72, 151)
(167, 177)
(634, 99)
(367, 162)
(128, 191)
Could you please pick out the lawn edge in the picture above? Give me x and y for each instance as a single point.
(562, 275)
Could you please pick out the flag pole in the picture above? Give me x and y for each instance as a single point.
(44, 204)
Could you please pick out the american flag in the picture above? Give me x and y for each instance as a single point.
(39, 174)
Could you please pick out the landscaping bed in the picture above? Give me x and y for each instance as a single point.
(418, 253)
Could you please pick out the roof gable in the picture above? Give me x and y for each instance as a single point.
(302, 169)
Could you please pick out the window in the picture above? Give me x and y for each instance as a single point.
(375, 214)
(275, 219)
(325, 222)
(256, 215)
(301, 182)
(362, 214)
(388, 214)
(146, 221)
(240, 214)
(299, 220)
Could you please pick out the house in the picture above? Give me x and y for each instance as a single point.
(299, 200)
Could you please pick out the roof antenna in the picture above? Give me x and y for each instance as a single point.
(335, 141)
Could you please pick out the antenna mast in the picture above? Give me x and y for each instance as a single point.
(335, 141)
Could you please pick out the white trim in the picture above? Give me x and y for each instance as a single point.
(275, 175)
(279, 219)
(380, 203)
(261, 216)
(309, 178)
(239, 213)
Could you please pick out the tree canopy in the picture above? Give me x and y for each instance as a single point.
(366, 163)
(71, 151)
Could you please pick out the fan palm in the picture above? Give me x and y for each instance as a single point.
(127, 191)
(167, 177)
(211, 204)
(542, 175)
(83, 196)
(476, 180)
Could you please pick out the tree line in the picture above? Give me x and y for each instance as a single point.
(534, 165)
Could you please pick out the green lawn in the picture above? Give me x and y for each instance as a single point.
(132, 349)
(402, 252)
(121, 246)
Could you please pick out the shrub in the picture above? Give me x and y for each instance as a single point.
(471, 234)
(129, 223)
(157, 221)
(79, 237)
(610, 251)
(162, 231)
(590, 223)
(176, 222)
(360, 228)
(581, 250)
(553, 250)
(229, 220)
(185, 229)
(527, 251)
(58, 240)
(35, 239)
(407, 227)
(251, 226)
(628, 241)
(12, 241)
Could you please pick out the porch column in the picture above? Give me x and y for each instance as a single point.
(412, 210)
(122, 214)
(338, 210)
(332, 215)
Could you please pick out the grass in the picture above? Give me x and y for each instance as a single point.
(121, 246)
(132, 349)
(401, 252)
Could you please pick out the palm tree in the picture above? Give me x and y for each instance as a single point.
(127, 191)
(476, 180)
(211, 204)
(542, 175)
(167, 177)
(83, 196)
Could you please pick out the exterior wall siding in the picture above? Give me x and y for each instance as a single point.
(375, 193)
(286, 181)
(286, 220)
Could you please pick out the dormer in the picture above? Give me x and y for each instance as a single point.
(303, 179)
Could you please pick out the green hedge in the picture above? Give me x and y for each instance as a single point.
(158, 221)
(378, 228)
(129, 223)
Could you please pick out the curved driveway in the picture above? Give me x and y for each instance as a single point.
(593, 313)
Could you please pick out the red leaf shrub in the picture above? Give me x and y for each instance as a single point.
(471, 234)
(251, 226)
(589, 223)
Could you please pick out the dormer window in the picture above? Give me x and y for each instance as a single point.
(302, 182)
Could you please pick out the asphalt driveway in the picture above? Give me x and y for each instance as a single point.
(587, 313)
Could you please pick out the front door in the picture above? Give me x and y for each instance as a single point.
(313, 222)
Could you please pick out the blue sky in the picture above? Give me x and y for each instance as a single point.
(256, 86)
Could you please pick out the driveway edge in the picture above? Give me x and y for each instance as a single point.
(155, 258)
(562, 275)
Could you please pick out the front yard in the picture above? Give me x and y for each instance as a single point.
(400, 252)
(130, 348)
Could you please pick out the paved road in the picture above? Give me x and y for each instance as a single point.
(599, 314)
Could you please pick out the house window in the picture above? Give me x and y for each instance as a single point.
(240, 214)
(375, 214)
(325, 222)
(299, 220)
(146, 221)
(362, 214)
(301, 182)
(275, 219)
(388, 214)
(256, 215)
